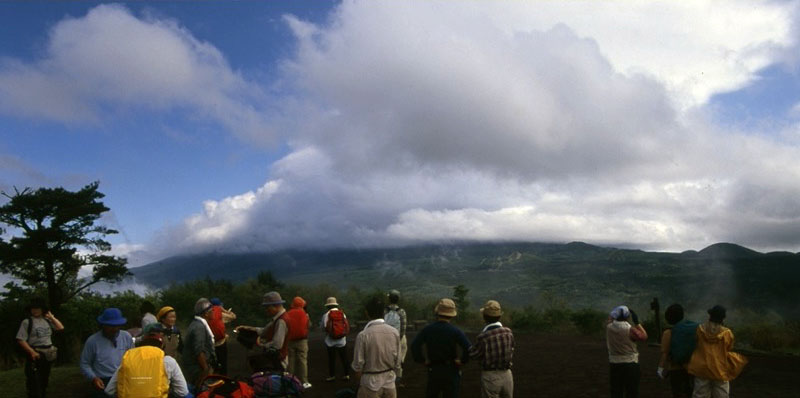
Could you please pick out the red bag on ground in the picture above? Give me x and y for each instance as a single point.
(219, 386)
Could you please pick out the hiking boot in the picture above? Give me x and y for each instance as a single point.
(332, 378)
(306, 385)
(346, 378)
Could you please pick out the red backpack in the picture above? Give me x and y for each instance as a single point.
(337, 325)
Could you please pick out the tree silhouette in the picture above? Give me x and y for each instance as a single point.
(460, 297)
(55, 235)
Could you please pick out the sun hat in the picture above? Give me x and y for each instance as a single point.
(201, 306)
(272, 298)
(620, 311)
(717, 313)
(111, 317)
(331, 302)
(164, 311)
(491, 308)
(446, 307)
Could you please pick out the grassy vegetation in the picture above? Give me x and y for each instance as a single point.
(65, 382)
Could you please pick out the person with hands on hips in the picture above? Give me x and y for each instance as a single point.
(622, 332)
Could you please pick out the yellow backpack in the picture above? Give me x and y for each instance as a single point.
(142, 374)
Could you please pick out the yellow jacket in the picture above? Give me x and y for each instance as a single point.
(713, 359)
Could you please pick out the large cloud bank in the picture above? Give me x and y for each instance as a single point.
(437, 121)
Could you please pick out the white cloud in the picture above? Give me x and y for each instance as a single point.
(420, 121)
(110, 58)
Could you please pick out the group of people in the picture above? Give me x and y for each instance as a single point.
(696, 358)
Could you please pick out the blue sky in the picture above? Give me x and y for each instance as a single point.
(237, 126)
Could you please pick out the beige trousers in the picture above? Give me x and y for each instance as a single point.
(497, 384)
(298, 359)
(403, 352)
(705, 388)
(364, 392)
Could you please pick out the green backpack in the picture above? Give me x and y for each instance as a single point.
(683, 341)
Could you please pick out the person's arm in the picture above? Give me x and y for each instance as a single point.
(111, 387)
(22, 339)
(662, 363)
(358, 356)
(57, 326)
(228, 315)
(416, 347)
(477, 350)
(465, 346)
(638, 333)
(86, 360)
(403, 321)
(177, 383)
(280, 334)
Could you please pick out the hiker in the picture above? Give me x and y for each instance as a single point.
(198, 354)
(35, 338)
(396, 318)
(171, 335)
(623, 355)
(219, 317)
(147, 309)
(272, 337)
(336, 327)
(677, 344)
(713, 365)
(442, 342)
(376, 356)
(298, 320)
(146, 372)
(102, 352)
(494, 347)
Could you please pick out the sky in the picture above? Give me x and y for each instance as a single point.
(259, 126)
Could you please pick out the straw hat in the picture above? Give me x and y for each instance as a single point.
(491, 308)
(446, 307)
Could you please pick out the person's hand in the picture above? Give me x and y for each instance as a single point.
(660, 373)
(49, 316)
(34, 355)
(98, 384)
(634, 317)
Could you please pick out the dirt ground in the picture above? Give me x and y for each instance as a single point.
(551, 366)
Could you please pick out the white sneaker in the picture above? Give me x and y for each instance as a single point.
(306, 385)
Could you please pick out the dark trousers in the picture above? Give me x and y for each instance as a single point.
(222, 359)
(624, 379)
(444, 380)
(342, 353)
(681, 383)
(37, 375)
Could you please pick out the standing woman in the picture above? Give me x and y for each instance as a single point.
(172, 335)
(35, 337)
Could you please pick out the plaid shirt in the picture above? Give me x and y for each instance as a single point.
(494, 347)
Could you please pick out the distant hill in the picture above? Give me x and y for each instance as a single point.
(576, 273)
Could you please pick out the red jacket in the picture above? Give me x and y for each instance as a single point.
(216, 324)
(297, 320)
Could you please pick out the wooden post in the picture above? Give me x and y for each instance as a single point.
(656, 308)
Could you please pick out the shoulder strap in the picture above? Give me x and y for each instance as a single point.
(30, 328)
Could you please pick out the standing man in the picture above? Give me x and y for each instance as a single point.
(396, 317)
(198, 354)
(623, 355)
(35, 337)
(102, 352)
(442, 342)
(376, 356)
(299, 322)
(219, 317)
(494, 347)
(713, 364)
(273, 337)
(336, 327)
